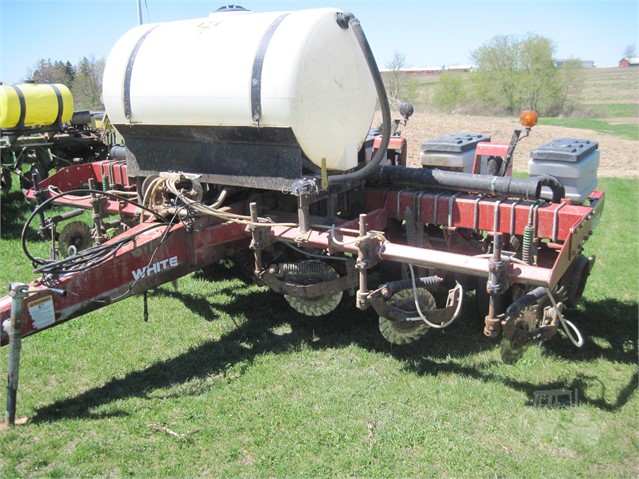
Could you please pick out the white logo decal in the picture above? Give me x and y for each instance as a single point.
(155, 268)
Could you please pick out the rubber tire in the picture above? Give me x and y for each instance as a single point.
(574, 280)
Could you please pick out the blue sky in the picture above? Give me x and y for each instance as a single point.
(426, 32)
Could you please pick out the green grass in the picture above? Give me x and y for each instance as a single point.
(630, 132)
(252, 389)
(615, 110)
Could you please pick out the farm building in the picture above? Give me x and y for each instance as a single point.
(433, 70)
(627, 62)
(414, 71)
(458, 68)
(584, 63)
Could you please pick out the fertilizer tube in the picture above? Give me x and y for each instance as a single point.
(345, 20)
(529, 188)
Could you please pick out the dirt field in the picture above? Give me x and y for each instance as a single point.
(619, 157)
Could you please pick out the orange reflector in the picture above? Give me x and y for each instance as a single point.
(528, 118)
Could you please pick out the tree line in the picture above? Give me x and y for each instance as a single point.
(84, 79)
(510, 74)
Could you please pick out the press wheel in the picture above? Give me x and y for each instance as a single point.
(405, 332)
(320, 305)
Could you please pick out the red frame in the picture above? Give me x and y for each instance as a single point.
(564, 226)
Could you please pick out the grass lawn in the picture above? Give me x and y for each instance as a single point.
(630, 132)
(225, 380)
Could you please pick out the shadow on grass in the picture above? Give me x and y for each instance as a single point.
(610, 330)
(346, 325)
(15, 209)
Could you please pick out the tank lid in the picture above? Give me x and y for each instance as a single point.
(456, 143)
(564, 149)
(232, 8)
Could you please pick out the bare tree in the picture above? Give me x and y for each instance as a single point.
(394, 81)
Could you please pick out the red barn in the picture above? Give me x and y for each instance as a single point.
(629, 62)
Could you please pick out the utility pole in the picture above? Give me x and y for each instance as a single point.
(139, 12)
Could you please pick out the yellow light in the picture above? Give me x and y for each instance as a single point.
(528, 118)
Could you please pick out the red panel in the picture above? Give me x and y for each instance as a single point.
(395, 142)
(77, 177)
(554, 220)
(180, 253)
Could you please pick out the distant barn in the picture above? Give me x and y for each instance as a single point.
(458, 68)
(430, 70)
(629, 62)
(583, 63)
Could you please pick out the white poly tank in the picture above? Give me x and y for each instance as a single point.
(297, 70)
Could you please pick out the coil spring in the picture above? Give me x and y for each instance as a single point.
(526, 248)
(411, 233)
(428, 282)
(304, 267)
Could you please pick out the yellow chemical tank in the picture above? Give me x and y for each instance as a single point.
(31, 104)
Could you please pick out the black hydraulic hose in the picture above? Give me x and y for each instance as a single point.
(528, 188)
(346, 20)
(527, 299)
(556, 186)
(117, 152)
(42, 206)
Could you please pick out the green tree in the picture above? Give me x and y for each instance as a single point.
(450, 91)
(87, 85)
(496, 76)
(513, 74)
(569, 87)
(83, 79)
(538, 78)
(46, 71)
